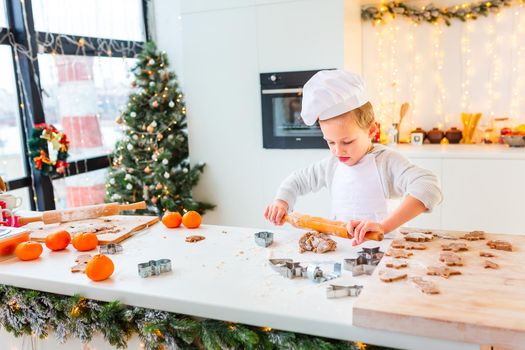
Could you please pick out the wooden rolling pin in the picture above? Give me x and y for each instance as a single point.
(82, 213)
(329, 227)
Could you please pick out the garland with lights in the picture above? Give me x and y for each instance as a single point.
(48, 149)
(432, 14)
(35, 313)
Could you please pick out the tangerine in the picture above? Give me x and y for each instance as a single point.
(192, 219)
(99, 268)
(85, 241)
(28, 250)
(58, 240)
(172, 219)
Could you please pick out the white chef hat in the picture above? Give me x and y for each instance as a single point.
(330, 93)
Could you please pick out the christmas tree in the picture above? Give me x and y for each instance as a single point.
(151, 161)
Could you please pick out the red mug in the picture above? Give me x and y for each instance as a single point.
(13, 221)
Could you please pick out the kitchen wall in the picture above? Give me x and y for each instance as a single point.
(218, 49)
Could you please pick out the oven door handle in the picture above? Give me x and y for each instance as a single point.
(282, 91)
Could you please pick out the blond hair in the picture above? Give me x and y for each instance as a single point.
(363, 116)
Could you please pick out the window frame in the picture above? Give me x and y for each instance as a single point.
(41, 187)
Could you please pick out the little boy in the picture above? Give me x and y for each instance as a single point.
(359, 175)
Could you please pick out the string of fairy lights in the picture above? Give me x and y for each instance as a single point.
(54, 45)
(426, 74)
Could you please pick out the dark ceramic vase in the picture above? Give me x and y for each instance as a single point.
(454, 135)
(435, 135)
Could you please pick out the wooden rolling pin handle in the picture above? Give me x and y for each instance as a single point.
(27, 220)
(374, 236)
(133, 206)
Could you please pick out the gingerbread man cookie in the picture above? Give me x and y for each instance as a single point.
(474, 236)
(500, 245)
(389, 275)
(426, 286)
(418, 237)
(451, 259)
(442, 271)
(398, 253)
(455, 246)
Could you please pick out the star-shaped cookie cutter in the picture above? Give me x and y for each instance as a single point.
(111, 248)
(154, 267)
(263, 238)
(313, 271)
(335, 291)
(365, 263)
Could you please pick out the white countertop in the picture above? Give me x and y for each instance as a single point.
(460, 151)
(226, 277)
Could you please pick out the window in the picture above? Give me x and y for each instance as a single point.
(12, 162)
(76, 77)
(83, 96)
(115, 19)
(3, 19)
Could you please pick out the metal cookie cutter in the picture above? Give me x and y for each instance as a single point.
(290, 269)
(111, 248)
(316, 274)
(264, 238)
(154, 267)
(365, 263)
(334, 291)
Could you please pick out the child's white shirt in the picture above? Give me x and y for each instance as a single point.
(398, 178)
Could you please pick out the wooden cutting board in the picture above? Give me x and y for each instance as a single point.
(109, 229)
(481, 306)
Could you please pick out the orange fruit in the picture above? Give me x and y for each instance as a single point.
(58, 240)
(99, 268)
(192, 219)
(85, 241)
(28, 250)
(172, 219)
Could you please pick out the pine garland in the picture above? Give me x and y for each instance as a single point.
(432, 14)
(30, 312)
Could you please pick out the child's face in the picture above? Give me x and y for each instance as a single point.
(346, 139)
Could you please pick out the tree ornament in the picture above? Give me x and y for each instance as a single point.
(151, 62)
(112, 181)
(155, 104)
(154, 156)
(133, 114)
(119, 119)
(158, 187)
(147, 169)
(135, 137)
(159, 136)
(165, 161)
(151, 83)
(185, 170)
(154, 200)
(165, 74)
(171, 104)
(128, 177)
(129, 187)
(166, 175)
(150, 129)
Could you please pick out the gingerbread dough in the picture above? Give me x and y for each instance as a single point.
(316, 242)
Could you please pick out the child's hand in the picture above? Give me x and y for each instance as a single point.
(358, 229)
(275, 212)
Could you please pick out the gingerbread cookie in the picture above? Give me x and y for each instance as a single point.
(390, 275)
(396, 263)
(415, 246)
(474, 236)
(406, 232)
(426, 286)
(447, 236)
(398, 244)
(316, 242)
(455, 246)
(490, 265)
(500, 245)
(398, 253)
(487, 254)
(418, 237)
(193, 239)
(82, 261)
(442, 271)
(451, 259)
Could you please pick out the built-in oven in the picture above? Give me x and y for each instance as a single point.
(281, 98)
